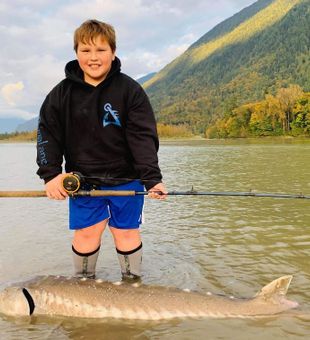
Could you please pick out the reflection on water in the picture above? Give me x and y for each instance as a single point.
(231, 245)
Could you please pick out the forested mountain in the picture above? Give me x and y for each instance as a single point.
(256, 52)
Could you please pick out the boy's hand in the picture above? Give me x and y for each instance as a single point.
(54, 189)
(158, 191)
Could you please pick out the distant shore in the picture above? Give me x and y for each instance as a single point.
(18, 137)
(31, 138)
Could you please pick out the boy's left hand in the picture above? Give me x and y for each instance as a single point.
(158, 192)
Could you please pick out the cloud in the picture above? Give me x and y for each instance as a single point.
(10, 92)
(11, 103)
(144, 61)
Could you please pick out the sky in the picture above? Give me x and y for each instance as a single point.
(36, 40)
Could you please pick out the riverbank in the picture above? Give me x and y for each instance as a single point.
(237, 141)
(30, 137)
(18, 137)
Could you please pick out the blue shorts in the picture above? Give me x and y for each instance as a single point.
(123, 212)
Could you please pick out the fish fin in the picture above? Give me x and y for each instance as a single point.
(277, 287)
(275, 291)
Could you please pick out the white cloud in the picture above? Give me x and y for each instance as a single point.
(36, 39)
(12, 103)
(10, 92)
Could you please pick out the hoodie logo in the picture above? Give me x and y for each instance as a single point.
(110, 116)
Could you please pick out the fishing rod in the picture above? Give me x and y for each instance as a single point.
(72, 185)
(103, 193)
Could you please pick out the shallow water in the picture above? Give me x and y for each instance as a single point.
(227, 245)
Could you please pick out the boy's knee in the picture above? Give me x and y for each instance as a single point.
(85, 241)
(126, 235)
(129, 233)
(89, 237)
(126, 239)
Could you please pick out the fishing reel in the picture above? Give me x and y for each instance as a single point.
(72, 182)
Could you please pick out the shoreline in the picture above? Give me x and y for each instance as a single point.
(238, 140)
(198, 139)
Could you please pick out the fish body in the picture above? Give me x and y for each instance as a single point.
(74, 297)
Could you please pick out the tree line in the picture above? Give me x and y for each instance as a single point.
(285, 113)
(23, 136)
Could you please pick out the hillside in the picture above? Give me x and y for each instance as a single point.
(29, 125)
(257, 51)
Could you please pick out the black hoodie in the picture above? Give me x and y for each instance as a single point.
(106, 131)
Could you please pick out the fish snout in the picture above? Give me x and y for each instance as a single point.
(13, 302)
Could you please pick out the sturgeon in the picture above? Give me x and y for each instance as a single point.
(89, 298)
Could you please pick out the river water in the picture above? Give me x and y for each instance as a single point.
(226, 245)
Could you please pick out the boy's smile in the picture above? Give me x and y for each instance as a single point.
(95, 59)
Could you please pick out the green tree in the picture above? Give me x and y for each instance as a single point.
(301, 113)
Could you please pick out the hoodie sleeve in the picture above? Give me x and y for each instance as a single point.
(141, 134)
(50, 144)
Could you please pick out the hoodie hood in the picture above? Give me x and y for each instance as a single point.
(74, 72)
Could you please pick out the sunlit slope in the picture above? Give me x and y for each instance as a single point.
(234, 21)
(260, 21)
(265, 49)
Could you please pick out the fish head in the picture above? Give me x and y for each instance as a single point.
(13, 302)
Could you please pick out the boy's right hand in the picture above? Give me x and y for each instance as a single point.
(54, 189)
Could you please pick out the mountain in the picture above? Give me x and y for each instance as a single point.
(9, 124)
(28, 125)
(145, 78)
(257, 51)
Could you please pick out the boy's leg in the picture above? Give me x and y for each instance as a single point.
(88, 218)
(124, 222)
(129, 251)
(85, 247)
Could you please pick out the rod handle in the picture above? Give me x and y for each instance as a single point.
(31, 193)
(100, 193)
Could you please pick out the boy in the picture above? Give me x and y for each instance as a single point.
(100, 120)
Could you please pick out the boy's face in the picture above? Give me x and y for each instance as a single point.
(95, 59)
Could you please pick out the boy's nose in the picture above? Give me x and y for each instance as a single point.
(93, 56)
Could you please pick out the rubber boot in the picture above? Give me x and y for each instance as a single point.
(85, 264)
(130, 262)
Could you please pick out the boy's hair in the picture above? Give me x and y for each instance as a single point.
(91, 29)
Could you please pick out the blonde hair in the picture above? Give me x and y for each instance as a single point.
(91, 29)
